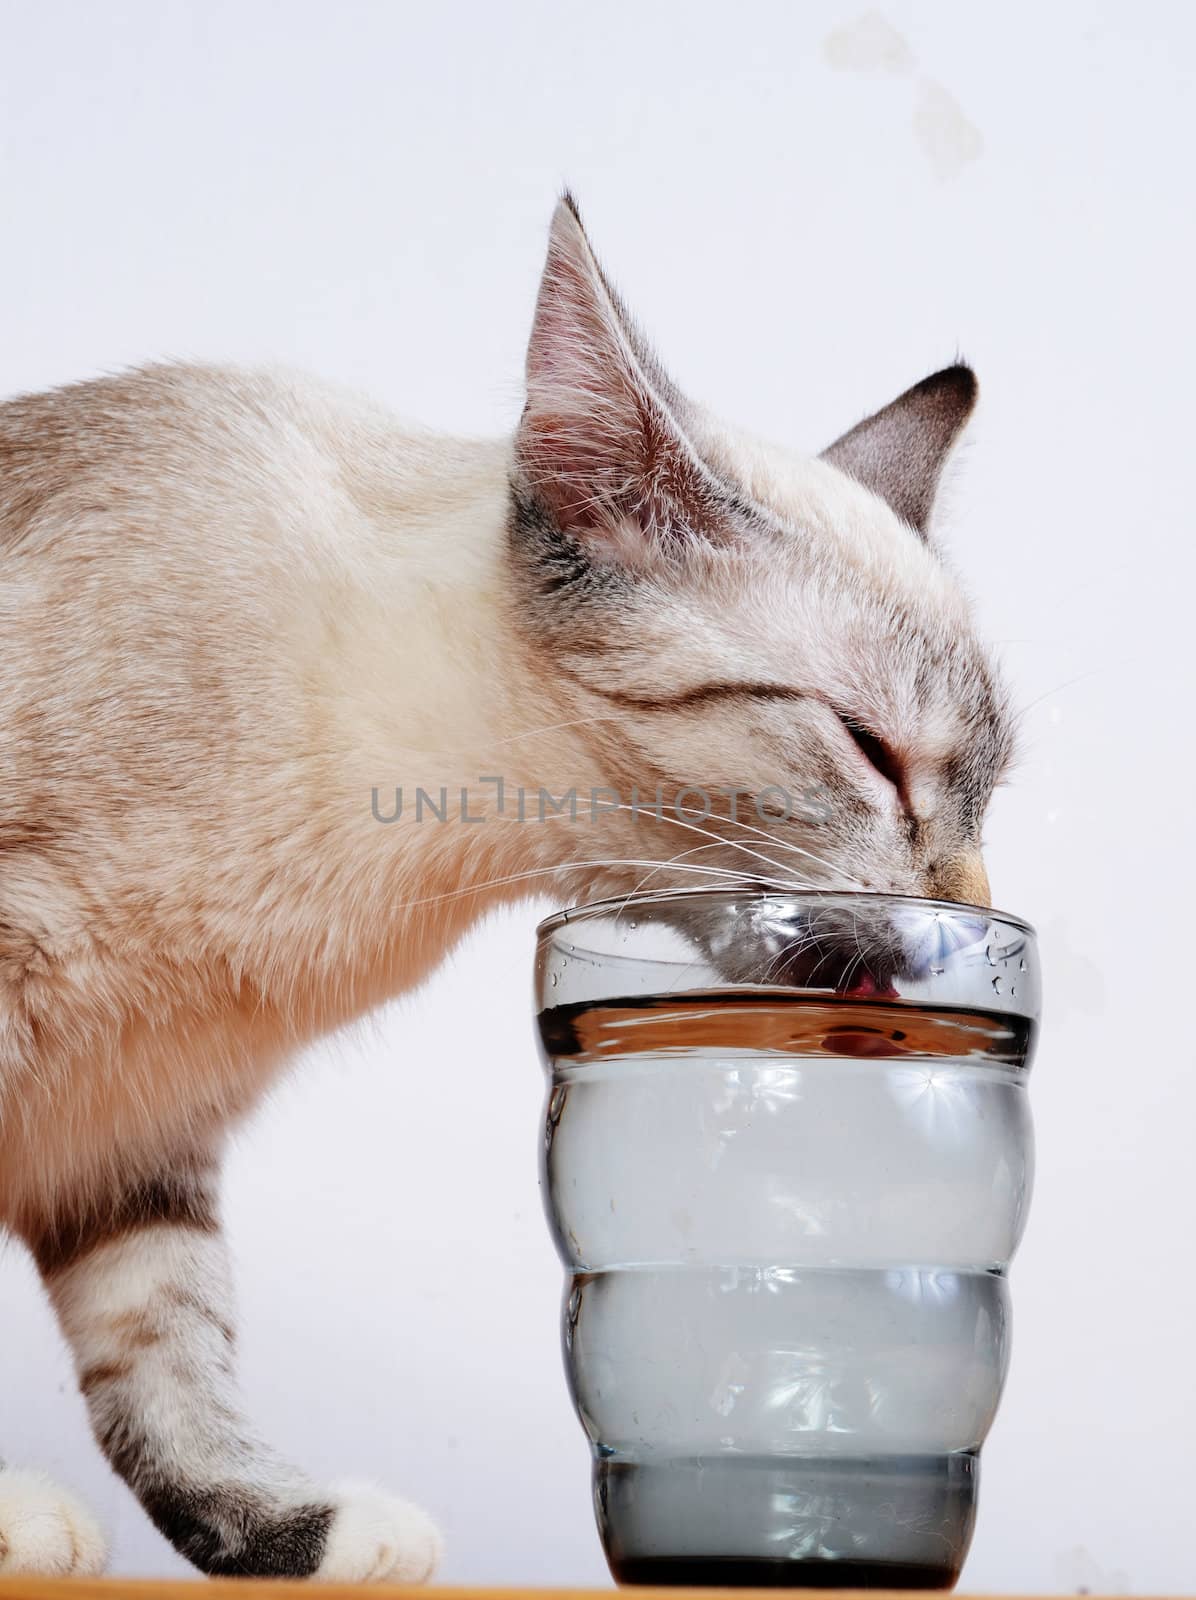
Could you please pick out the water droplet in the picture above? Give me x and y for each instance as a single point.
(1021, 966)
(1013, 991)
(633, 923)
(998, 987)
(988, 952)
(552, 979)
(937, 972)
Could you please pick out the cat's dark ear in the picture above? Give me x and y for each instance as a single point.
(601, 445)
(899, 453)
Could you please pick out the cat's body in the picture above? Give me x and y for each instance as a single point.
(200, 697)
(236, 612)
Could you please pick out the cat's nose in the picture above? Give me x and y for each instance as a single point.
(960, 878)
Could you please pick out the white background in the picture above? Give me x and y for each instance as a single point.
(364, 189)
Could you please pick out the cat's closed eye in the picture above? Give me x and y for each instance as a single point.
(880, 756)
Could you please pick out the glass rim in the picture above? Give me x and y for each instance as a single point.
(589, 909)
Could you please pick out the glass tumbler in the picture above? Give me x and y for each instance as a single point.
(787, 1160)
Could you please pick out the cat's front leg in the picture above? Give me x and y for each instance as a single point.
(140, 1281)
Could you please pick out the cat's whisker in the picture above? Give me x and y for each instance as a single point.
(637, 891)
(796, 849)
(606, 862)
(1023, 711)
(671, 815)
(843, 879)
(679, 821)
(716, 839)
(738, 844)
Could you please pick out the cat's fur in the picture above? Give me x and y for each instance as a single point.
(234, 604)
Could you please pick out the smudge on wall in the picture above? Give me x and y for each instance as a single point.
(947, 137)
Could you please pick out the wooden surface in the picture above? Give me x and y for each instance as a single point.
(236, 1589)
(18, 1588)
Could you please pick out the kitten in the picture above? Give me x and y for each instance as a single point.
(239, 611)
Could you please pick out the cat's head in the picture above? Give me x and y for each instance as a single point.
(723, 615)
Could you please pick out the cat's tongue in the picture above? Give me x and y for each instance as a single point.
(813, 969)
(864, 987)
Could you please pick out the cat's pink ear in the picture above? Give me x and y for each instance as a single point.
(899, 453)
(601, 445)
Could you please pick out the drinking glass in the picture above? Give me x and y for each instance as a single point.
(787, 1161)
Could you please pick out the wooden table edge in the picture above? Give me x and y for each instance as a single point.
(17, 1587)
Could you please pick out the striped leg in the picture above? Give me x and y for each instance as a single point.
(141, 1287)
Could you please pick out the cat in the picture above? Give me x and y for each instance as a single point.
(246, 617)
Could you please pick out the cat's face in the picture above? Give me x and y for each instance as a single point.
(769, 643)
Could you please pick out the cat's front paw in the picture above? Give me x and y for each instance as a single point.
(44, 1529)
(376, 1537)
